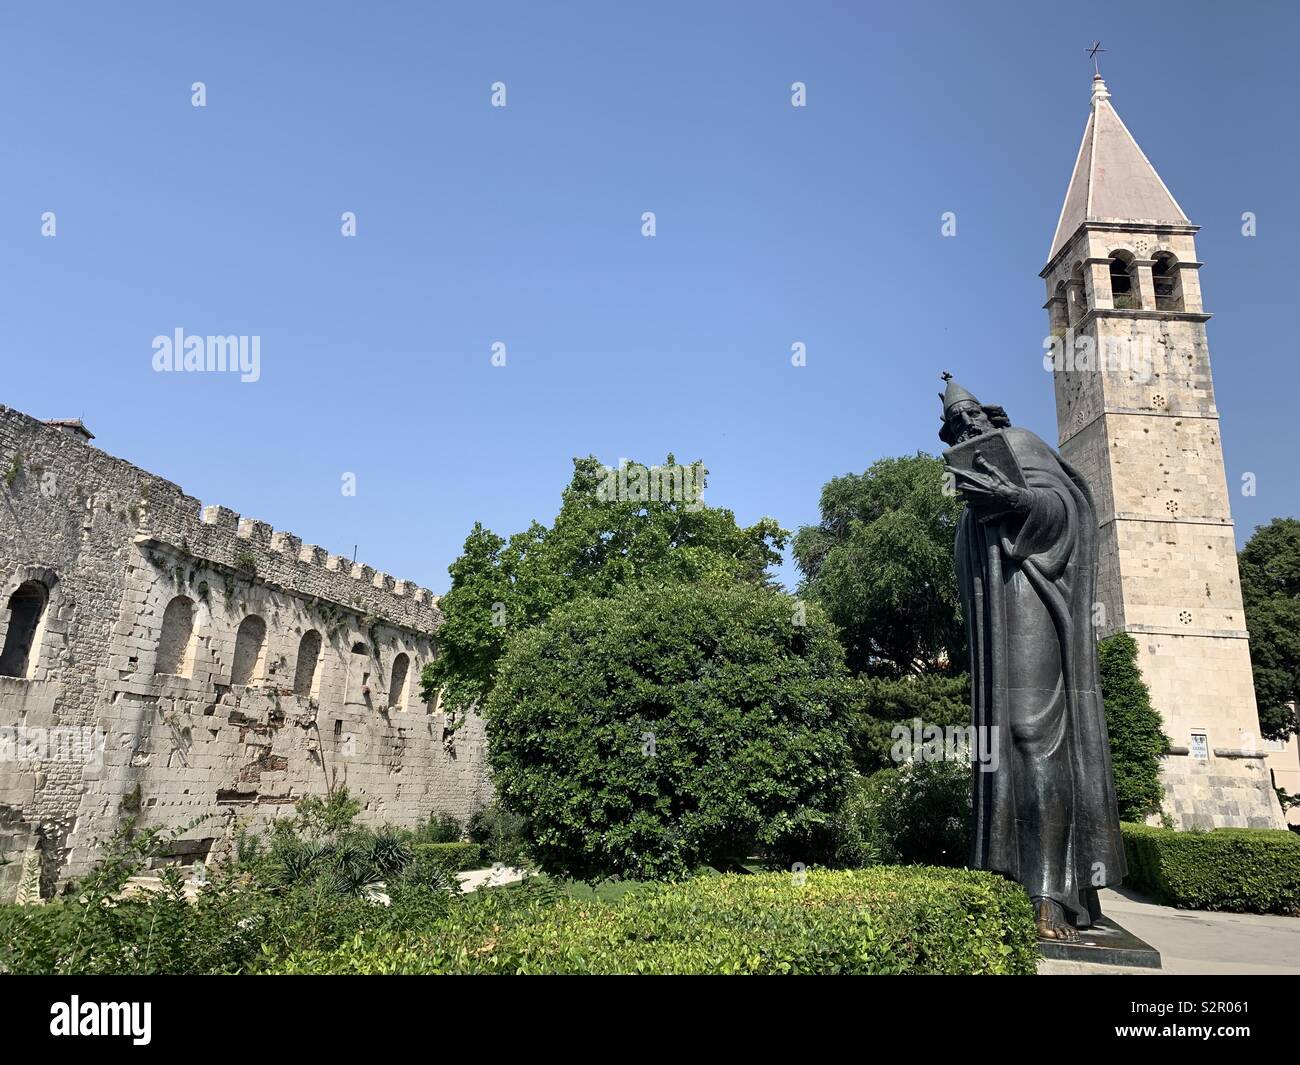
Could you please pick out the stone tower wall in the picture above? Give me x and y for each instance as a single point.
(1140, 422)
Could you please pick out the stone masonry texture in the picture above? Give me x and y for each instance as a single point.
(1140, 423)
(189, 748)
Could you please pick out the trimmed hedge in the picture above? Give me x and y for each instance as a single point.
(456, 857)
(1244, 870)
(914, 920)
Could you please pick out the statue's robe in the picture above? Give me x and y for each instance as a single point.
(1046, 816)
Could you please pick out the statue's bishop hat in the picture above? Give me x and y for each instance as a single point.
(954, 395)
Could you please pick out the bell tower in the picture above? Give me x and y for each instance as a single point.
(1136, 416)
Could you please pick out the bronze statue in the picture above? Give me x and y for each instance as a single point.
(1027, 566)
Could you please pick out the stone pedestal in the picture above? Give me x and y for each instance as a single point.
(1105, 943)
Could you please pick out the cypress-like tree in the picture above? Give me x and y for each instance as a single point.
(1137, 739)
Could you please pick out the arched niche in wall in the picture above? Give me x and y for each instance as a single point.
(177, 640)
(250, 651)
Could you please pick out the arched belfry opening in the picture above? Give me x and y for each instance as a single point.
(1164, 276)
(1123, 282)
(360, 669)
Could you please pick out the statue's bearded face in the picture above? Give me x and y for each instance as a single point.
(968, 420)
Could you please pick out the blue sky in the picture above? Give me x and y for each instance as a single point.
(522, 225)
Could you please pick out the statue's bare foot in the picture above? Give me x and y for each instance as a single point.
(1049, 916)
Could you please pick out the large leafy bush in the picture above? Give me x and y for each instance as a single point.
(649, 733)
(1270, 592)
(454, 857)
(440, 828)
(500, 834)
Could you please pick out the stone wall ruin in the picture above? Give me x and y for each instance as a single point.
(192, 665)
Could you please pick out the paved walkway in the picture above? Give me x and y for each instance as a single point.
(477, 878)
(1197, 941)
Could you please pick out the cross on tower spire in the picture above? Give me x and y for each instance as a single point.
(1092, 53)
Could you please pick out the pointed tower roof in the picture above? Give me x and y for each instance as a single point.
(1113, 181)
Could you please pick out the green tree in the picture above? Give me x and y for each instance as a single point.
(473, 633)
(645, 734)
(599, 543)
(1270, 589)
(878, 705)
(881, 563)
(1137, 739)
